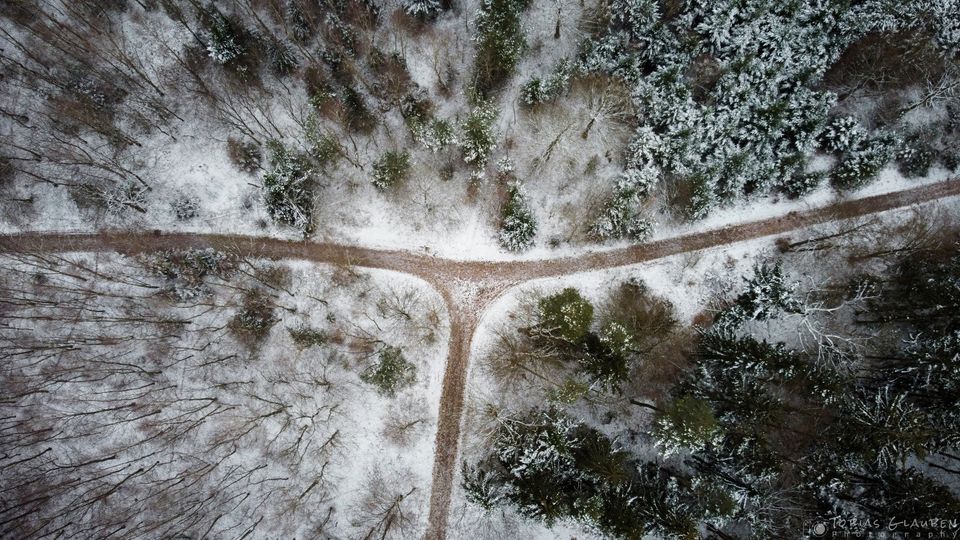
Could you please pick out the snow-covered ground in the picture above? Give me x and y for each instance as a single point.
(296, 438)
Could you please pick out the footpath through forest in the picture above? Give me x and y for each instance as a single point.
(468, 287)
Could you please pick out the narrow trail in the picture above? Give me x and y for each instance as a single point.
(468, 287)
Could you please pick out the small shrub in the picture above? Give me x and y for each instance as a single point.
(424, 10)
(649, 319)
(185, 271)
(518, 226)
(406, 420)
(950, 159)
(276, 276)
(393, 81)
(304, 336)
(415, 107)
(255, 318)
(391, 373)
(391, 169)
(116, 199)
(185, 207)
(447, 171)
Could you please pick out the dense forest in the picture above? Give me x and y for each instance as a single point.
(825, 397)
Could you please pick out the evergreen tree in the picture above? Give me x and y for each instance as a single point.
(391, 373)
(801, 184)
(500, 43)
(766, 293)
(915, 161)
(288, 189)
(883, 429)
(518, 226)
(606, 356)
(565, 316)
(905, 495)
(422, 9)
(620, 217)
(861, 165)
(685, 423)
(255, 318)
(304, 336)
(551, 467)
(391, 169)
(223, 39)
(282, 58)
(537, 90)
(434, 134)
(481, 487)
(477, 135)
(841, 134)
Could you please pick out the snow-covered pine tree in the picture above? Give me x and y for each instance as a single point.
(434, 134)
(518, 225)
(565, 315)
(422, 9)
(283, 59)
(767, 292)
(552, 467)
(801, 184)
(862, 164)
(685, 424)
(288, 189)
(537, 90)
(477, 135)
(841, 134)
(606, 357)
(482, 487)
(620, 217)
(500, 43)
(883, 428)
(223, 41)
(914, 161)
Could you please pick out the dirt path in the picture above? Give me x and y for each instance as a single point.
(469, 286)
